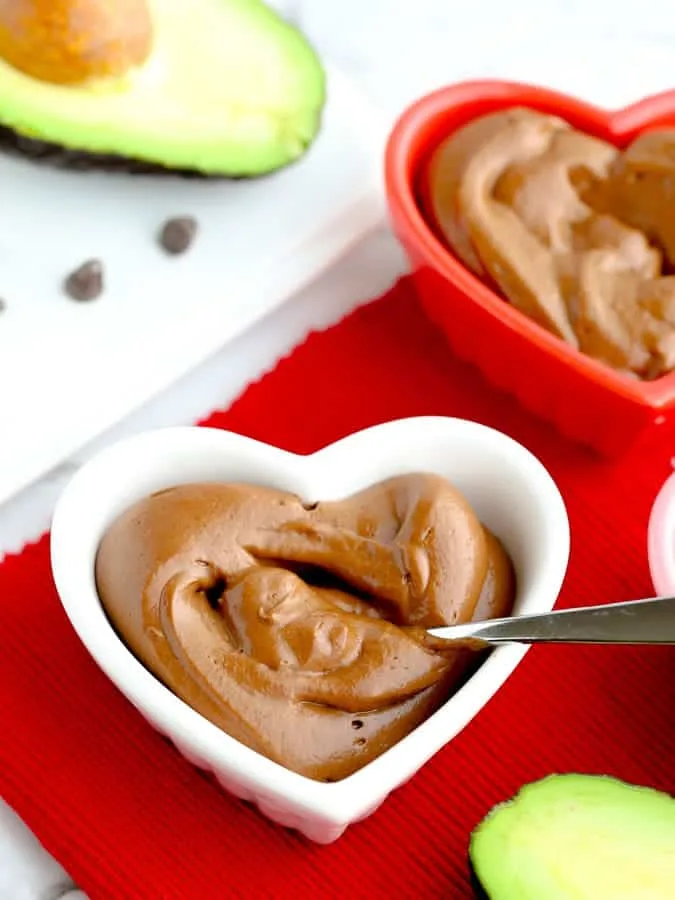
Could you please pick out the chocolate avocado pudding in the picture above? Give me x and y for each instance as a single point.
(572, 231)
(300, 629)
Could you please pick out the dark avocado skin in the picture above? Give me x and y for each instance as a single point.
(42, 152)
(38, 151)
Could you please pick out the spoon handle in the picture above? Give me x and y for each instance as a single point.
(635, 622)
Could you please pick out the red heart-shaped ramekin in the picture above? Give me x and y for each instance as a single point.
(585, 399)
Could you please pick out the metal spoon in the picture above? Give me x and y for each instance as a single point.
(635, 622)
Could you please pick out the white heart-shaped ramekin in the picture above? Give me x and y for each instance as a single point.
(508, 487)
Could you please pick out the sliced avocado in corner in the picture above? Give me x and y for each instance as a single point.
(229, 89)
(577, 837)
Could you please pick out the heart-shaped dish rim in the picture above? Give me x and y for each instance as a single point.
(419, 130)
(520, 491)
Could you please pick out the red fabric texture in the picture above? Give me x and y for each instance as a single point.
(129, 818)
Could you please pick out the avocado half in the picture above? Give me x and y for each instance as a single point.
(577, 837)
(230, 89)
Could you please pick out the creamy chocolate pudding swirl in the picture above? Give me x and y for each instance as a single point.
(576, 234)
(299, 629)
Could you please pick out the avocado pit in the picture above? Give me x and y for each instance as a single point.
(71, 42)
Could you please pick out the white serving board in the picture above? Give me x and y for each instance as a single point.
(70, 370)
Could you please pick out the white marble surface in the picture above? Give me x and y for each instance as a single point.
(608, 50)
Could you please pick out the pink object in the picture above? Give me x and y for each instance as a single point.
(661, 539)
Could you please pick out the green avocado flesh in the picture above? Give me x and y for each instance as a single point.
(230, 89)
(578, 837)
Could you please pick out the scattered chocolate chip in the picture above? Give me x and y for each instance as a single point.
(86, 282)
(357, 723)
(310, 507)
(177, 235)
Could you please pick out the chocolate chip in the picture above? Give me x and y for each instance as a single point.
(177, 235)
(86, 282)
(357, 723)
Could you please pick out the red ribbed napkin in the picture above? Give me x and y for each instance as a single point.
(129, 818)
